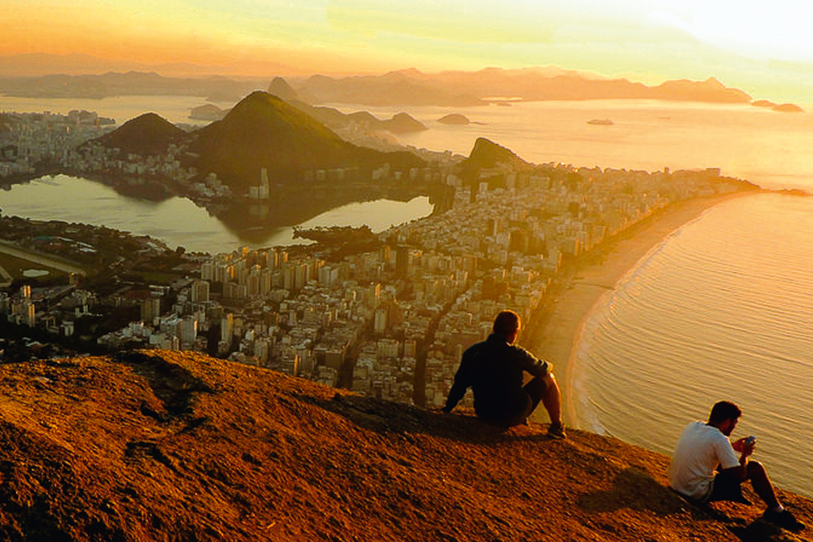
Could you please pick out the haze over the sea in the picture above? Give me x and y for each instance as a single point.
(765, 49)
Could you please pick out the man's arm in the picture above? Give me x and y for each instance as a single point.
(455, 395)
(532, 365)
(740, 471)
(462, 381)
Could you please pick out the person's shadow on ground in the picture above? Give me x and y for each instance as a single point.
(635, 489)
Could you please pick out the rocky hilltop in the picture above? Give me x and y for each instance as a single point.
(153, 445)
(486, 155)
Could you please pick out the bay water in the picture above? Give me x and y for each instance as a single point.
(722, 309)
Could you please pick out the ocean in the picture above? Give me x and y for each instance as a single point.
(766, 147)
(721, 309)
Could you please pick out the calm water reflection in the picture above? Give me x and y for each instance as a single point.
(178, 221)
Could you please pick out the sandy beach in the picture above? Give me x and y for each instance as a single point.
(557, 327)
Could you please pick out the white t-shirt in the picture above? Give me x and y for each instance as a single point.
(699, 451)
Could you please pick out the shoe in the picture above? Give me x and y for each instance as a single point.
(556, 430)
(783, 519)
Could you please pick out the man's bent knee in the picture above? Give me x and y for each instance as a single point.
(755, 468)
(550, 382)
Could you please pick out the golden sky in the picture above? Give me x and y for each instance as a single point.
(764, 48)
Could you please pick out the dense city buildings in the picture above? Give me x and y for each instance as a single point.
(32, 142)
(389, 320)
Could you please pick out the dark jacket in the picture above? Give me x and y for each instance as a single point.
(494, 370)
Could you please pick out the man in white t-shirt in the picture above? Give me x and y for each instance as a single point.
(705, 466)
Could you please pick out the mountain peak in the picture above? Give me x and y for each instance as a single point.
(147, 134)
(487, 154)
(157, 445)
(280, 87)
(263, 131)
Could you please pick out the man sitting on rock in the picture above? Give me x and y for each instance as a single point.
(494, 369)
(705, 466)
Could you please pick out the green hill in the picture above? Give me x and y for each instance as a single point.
(263, 131)
(148, 134)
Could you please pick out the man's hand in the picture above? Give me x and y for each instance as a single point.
(744, 447)
(748, 447)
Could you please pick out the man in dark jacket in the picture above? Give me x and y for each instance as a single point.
(494, 370)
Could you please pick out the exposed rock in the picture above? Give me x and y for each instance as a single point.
(487, 154)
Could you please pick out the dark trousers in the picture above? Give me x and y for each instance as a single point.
(535, 391)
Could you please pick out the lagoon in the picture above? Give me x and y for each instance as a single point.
(178, 221)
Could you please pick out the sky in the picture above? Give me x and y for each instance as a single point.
(763, 48)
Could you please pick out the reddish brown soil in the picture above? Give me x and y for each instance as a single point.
(175, 446)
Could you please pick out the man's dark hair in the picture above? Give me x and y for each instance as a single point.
(724, 410)
(506, 323)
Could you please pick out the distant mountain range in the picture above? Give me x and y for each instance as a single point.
(261, 131)
(40, 64)
(494, 84)
(332, 117)
(133, 83)
(398, 88)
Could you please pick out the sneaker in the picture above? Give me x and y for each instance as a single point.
(783, 519)
(556, 430)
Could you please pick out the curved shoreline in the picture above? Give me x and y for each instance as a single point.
(563, 317)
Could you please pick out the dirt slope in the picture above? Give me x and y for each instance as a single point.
(177, 446)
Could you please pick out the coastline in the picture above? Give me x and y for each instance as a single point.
(558, 324)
